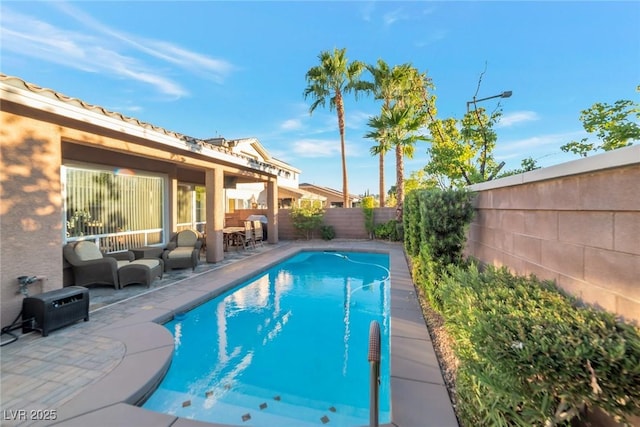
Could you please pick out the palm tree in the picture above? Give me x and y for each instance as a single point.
(379, 135)
(329, 81)
(404, 91)
(399, 125)
(387, 86)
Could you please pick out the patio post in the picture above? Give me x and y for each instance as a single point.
(272, 211)
(214, 183)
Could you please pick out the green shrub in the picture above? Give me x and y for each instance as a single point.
(435, 222)
(327, 232)
(411, 221)
(368, 203)
(530, 355)
(438, 219)
(399, 237)
(306, 219)
(444, 218)
(425, 275)
(390, 230)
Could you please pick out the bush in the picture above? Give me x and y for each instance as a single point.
(437, 219)
(390, 230)
(368, 203)
(411, 220)
(435, 222)
(444, 218)
(327, 232)
(306, 219)
(530, 355)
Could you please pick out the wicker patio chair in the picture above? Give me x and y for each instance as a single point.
(92, 267)
(183, 251)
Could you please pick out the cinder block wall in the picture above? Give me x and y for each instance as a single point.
(348, 223)
(577, 224)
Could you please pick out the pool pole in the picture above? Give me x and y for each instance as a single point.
(374, 372)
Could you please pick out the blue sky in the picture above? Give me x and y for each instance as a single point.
(237, 69)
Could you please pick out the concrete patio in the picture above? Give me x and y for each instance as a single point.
(93, 373)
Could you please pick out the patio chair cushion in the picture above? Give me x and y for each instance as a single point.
(151, 263)
(141, 271)
(122, 263)
(180, 252)
(187, 238)
(87, 251)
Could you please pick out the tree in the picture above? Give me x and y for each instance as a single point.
(461, 152)
(387, 86)
(613, 124)
(419, 180)
(328, 82)
(399, 125)
(403, 90)
(526, 165)
(380, 150)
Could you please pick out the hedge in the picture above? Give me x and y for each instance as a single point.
(529, 355)
(533, 356)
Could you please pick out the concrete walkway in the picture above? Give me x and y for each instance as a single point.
(93, 373)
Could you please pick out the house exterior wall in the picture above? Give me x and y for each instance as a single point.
(580, 229)
(39, 134)
(30, 209)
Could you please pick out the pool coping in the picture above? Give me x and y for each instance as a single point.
(418, 392)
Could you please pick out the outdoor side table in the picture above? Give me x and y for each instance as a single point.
(147, 252)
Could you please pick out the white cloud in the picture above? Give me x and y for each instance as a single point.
(291, 124)
(367, 10)
(355, 120)
(90, 51)
(517, 117)
(432, 37)
(316, 148)
(394, 16)
(538, 147)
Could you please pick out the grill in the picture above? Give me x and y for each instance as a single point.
(55, 309)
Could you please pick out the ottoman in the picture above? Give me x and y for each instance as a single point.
(140, 271)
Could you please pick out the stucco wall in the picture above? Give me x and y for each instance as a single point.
(348, 223)
(30, 209)
(35, 134)
(577, 224)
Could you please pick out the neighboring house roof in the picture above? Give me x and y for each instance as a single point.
(19, 91)
(298, 193)
(252, 148)
(326, 191)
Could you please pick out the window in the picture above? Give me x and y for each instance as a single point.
(118, 209)
(191, 207)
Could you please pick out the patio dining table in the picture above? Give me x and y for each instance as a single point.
(232, 236)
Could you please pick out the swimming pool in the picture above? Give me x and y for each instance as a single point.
(287, 347)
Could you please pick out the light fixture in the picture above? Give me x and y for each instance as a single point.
(505, 94)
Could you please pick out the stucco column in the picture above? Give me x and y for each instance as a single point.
(172, 217)
(272, 211)
(214, 182)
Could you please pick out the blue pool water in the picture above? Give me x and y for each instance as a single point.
(286, 348)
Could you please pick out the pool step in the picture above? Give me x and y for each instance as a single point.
(252, 410)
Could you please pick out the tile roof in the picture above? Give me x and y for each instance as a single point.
(209, 143)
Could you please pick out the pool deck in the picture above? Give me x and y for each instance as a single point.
(93, 373)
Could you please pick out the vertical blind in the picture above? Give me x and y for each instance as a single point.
(191, 207)
(122, 209)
